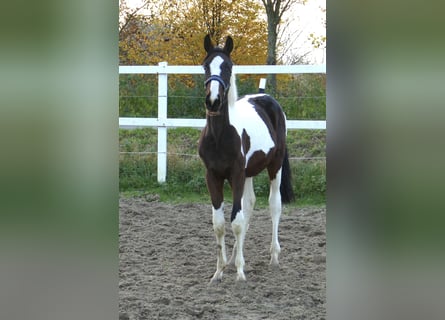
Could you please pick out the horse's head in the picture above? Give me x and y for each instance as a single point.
(218, 70)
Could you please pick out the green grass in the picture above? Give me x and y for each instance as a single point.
(185, 171)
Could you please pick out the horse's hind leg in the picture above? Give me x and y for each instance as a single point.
(275, 213)
(248, 200)
(248, 203)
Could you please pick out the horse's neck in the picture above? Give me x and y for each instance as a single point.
(217, 124)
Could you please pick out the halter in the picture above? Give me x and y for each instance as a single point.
(219, 79)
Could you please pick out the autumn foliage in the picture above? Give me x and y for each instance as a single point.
(175, 30)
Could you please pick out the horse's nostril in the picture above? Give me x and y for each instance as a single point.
(213, 104)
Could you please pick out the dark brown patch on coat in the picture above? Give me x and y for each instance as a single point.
(245, 142)
(257, 163)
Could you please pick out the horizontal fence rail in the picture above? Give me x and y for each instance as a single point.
(162, 122)
(133, 123)
(246, 69)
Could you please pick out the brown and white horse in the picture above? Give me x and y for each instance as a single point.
(241, 138)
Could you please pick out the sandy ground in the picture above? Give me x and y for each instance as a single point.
(168, 255)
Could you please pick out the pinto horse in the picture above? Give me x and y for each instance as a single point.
(241, 138)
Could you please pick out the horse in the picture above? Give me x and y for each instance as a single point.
(241, 138)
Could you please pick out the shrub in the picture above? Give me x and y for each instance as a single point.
(301, 97)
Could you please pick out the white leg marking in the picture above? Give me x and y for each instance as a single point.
(275, 212)
(248, 203)
(219, 229)
(233, 256)
(239, 230)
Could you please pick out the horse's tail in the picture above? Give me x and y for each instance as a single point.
(287, 193)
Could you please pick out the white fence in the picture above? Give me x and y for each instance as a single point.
(162, 122)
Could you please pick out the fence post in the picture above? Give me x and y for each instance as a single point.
(162, 128)
(262, 85)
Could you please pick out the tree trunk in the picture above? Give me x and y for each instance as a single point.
(273, 20)
(272, 39)
(274, 11)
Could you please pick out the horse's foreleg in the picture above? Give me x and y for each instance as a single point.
(232, 257)
(275, 213)
(239, 230)
(219, 229)
(215, 187)
(248, 203)
(239, 226)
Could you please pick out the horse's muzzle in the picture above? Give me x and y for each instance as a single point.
(215, 105)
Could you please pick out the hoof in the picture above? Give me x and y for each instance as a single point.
(217, 278)
(274, 260)
(241, 277)
(214, 281)
(274, 266)
(274, 263)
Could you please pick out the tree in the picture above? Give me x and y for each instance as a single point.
(126, 14)
(134, 33)
(274, 11)
(176, 32)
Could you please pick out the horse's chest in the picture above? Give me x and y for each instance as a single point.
(223, 154)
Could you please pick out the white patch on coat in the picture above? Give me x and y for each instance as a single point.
(242, 116)
(215, 69)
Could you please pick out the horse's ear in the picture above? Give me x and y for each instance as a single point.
(229, 44)
(208, 43)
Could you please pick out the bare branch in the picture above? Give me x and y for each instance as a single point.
(287, 5)
(130, 16)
